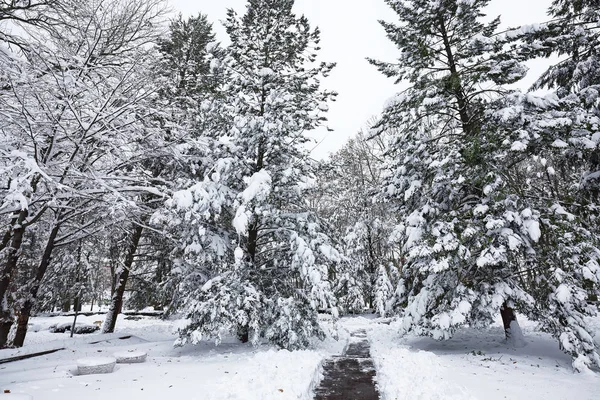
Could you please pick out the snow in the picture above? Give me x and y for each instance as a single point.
(183, 199)
(531, 225)
(517, 339)
(559, 144)
(258, 186)
(474, 364)
(202, 372)
(96, 365)
(533, 228)
(518, 146)
(241, 220)
(264, 72)
(95, 361)
(130, 357)
(563, 294)
(480, 210)
(414, 186)
(524, 29)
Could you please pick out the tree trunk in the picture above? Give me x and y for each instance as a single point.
(66, 305)
(77, 304)
(243, 334)
(508, 316)
(31, 300)
(5, 325)
(11, 257)
(457, 89)
(252, 239)
(116, 302)
(74, 323)
(113, 281)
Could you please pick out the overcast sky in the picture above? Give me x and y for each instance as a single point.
(350, 32)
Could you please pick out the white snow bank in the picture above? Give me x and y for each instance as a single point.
(517, 338)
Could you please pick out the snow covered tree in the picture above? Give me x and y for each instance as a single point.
(348, 183)
(185, 84)
(258, 262)
(186, 57)
(490, 220)
(556, 138)
(38, 13)
(185, 81)
(441, 162)
(78, 93)
(383, 291)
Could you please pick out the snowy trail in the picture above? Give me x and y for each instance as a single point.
(474, 364)
(350, 376)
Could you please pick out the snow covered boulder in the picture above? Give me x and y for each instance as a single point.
(96, 365)
(85, 329)
(60, 328)
(130, 357)
(79, 328)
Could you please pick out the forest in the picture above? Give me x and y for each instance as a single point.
(146, 165)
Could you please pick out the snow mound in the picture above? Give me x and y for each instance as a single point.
(96, 365)
(130, 357)
(15, 396)
(517, 339)
(79, 328)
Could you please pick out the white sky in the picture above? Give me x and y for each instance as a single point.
(350, 32)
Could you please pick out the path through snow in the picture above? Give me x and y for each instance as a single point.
(350, 376)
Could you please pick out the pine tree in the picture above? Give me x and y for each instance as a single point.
(491, 218)
(442, 165)
(383, 291)
(555, 138)
(265, 258)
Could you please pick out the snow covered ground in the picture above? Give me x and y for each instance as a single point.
(473, 365)
(476, 364)
(203, 372)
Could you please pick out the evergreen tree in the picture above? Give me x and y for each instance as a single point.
(491, 218)
(383, 291)
(554, 141)
(442, 165)
(258, 262)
